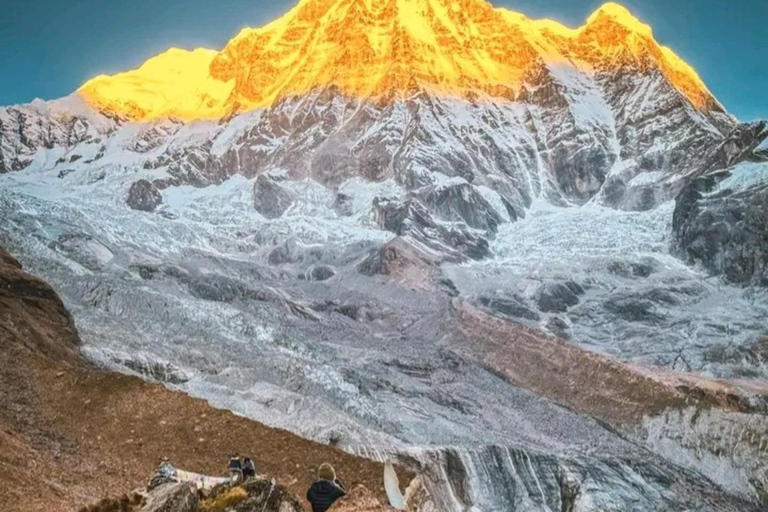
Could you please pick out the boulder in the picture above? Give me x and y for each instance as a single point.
(558, 297)
(394, 258)
(144, 196)
(270, 198)
(172, 497)
(320, 273)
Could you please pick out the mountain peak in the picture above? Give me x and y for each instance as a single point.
(175, 83)
(380, 48)
(620, 15)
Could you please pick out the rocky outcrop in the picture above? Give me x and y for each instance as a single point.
(739, 145)
(725, 231)
(172, 497)
(558, 297)
(721, 218)
(270, 199)
(26, 129)
(460, 202)
(411, 220)
(397, 258)
(259, 495)
(144, 196)
(320, 273)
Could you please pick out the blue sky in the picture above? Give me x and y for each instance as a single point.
(49, 47)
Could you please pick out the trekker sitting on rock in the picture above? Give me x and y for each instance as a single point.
(236, 467)
(249, 470)
(326, 490)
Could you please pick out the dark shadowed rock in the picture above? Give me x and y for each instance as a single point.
(393, 258)
(144, 196)
(633, 309)
(558, 327)
(342, 204)
(513, 307)
(558, 297)
(724, 227)
(270, 199)
(320, 273)
(632, 269)
(411, 219)
(460, 202)
(32, 314)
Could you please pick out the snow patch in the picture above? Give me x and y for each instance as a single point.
(744, 176)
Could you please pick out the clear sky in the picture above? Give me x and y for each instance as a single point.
(48, 48)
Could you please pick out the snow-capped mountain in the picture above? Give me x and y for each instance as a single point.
(415, 228)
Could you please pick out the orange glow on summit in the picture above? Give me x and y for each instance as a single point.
(379, 48)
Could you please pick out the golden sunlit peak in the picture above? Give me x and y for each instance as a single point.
(380, 48)
(620, 15)
(176, 83)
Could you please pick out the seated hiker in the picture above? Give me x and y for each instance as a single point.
(249, 469)
(326, 490)
(235, 466)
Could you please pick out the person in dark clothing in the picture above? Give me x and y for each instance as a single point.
(325, 491)
(249, 469)
(236, 467)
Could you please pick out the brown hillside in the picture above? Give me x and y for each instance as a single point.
(71, 434)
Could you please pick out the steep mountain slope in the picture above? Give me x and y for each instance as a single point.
(377, 222)
(395, 88)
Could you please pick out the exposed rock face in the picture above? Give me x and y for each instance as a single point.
(460, 203)
(727, 232)
(270, 199)
(412, 220)
(397, 259)
(721, 218)
(25, 130)
(144, 196)
(558, 297)
(513, 307)
(320, 273)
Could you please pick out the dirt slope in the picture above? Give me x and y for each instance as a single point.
(71, 434)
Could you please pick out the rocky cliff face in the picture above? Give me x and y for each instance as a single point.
(720, 217)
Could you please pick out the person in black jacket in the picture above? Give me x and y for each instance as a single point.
(326, 490)
(249, 469)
